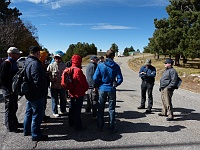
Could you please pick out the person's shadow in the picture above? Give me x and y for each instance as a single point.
(186, 114)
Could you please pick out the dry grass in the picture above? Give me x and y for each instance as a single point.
(189, 76)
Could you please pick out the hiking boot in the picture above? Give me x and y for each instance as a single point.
(141, 107)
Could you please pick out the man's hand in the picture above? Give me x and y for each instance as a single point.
(142, 73)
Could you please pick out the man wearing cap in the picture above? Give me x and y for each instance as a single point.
(147, 73)
(55, 70)
(93, 95)
(8, 69)
(168, 83)
(36, 77)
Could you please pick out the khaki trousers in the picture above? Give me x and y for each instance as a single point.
(166, 97)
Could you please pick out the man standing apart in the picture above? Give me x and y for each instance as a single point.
(38, 89)
(93, 95)
(168, 83)
(108, 76)
(8, 69)
(147, 74)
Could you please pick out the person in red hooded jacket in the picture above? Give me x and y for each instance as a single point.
(77, 94)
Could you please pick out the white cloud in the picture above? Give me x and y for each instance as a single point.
(99, 26)
(110, 27)
(38, 1)
(72, 24)
(55, 5)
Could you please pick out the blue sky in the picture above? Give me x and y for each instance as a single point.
(102, 22)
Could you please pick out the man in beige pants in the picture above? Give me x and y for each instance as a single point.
(168, 83)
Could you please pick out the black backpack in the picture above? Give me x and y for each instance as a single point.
(19, 82)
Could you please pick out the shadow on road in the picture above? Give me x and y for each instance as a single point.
(58, 128)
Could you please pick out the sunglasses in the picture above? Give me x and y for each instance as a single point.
(57, 57)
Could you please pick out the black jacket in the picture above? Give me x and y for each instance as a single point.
(37, 80)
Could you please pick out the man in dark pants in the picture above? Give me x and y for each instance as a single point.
(147, 74)
(8, 69)
(38, 89)
(93, 94)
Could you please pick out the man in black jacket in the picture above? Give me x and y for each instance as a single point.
(36, 77)
(8, 69)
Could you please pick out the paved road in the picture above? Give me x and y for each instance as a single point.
(137, 130)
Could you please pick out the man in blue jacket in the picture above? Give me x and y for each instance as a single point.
(147, 73)
(38, 89)
(107, 76)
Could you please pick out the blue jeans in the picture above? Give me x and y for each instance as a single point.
(33, 117)
(75, 112)
(54, 98)
(103, 95)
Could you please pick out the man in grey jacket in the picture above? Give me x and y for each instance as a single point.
(168, 82)
(92, 96)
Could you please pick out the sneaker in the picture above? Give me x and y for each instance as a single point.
(63, 113)
(169, 119)
(41, 138)
(56, 115)
(161, 114)
(141, 107)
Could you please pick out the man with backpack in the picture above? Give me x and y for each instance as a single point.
(107, 76)
(7, 71)
(75, 81)
(36, 77)
(168, 83)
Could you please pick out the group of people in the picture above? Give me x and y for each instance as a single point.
(168, 83)
(100, 82)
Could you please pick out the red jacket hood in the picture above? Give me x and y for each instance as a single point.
(76, 61)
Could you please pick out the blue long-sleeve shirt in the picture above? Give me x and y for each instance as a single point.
(150, 73)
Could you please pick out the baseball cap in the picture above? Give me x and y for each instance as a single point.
(148, 61)
(169, 61)
(13, 50)
(94, 57)
(34, 49)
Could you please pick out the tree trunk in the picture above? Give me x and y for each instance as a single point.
(177, 60)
